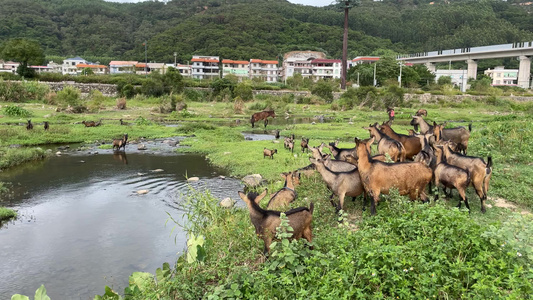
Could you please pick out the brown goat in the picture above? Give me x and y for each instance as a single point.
(88, 123)
(120, 143)
(333, 165)
(340, 183)
(29, 126)
(386, 144)
(304, 143)
(458, 135)
(287, 193)
(270, 153)
(422, 112)
(411, 144)
(451, 177)
(480, 171)
(266, 221)
(411, 132)
(291, 145)
(46, 125)
(341, 153)
(410, 178)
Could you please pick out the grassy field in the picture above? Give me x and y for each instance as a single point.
(407, 251)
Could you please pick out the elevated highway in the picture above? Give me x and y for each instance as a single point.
(523, 51)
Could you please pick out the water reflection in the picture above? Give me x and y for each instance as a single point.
(83, 226)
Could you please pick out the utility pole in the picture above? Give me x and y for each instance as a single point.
(175, 54)
(400, 78)
(345, 47)
(375, 82)
(145, 59)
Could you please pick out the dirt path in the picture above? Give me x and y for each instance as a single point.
(503, 203)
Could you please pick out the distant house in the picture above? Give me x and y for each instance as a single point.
(205, 67)
(239, 68)
(326, 68)
(364, 60)
(97, 69)
(459, 77)
(9, 66)
(69, 65)
(122, 67)
(185, 70)
(267, 70)
(299, 62)
(501, 76)
(142, 68)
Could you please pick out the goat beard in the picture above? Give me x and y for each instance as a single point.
(416, 127)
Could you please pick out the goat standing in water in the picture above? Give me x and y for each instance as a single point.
(266, 221)
(29, 126)
(120, 143)
(262, 115)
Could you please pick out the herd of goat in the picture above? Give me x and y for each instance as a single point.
(407, 163)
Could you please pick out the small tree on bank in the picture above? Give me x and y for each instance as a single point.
(24, 51)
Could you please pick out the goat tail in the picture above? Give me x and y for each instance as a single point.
(470, 127)
(311, 207)
(489, 165)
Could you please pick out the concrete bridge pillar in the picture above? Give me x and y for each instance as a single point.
(431, 67)
(524, 72)
(472, 69)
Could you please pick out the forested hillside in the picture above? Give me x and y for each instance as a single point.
(244, 29)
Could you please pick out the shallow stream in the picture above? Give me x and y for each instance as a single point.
(82, 225)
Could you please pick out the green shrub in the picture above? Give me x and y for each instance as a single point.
(69, 96)
(16, 111)
(244, 91)
(193, 95)
(323, 89)
(22, 91)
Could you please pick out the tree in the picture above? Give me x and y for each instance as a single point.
(25, 52)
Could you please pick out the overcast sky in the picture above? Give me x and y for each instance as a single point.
(304, 2)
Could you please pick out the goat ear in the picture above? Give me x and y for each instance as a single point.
(243, 196)
(261, 196)
(434, 123)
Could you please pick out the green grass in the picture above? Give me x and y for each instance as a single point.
(453, 254)
(6, 213)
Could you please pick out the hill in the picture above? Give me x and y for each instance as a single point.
(244, 29)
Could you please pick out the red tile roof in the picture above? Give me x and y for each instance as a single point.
(275, 62)
(323, 60)
(90, 66)
(205, 60)
(229, 61)
(367, 58)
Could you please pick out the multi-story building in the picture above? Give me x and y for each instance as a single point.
(121, 67)
(326, 68)
(502, 76)
(69, 65)
(239, 68)
(299, 62)
(205, 67)
(185, 70)
(97, 69)
(9, 66)
(266, 70)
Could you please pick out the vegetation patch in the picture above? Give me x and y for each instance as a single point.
(6, 213)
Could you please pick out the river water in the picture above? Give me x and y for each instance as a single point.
(82, 225)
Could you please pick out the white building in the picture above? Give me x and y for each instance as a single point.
(459, 77)
(205, 67)
(266, 70)
(326, 68)
(121, 67)
(299, 62)
(9, 66)
(97, 69)
(69, 65)
(239, 68)
(502, 76)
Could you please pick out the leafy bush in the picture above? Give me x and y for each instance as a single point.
(69, 96)
(244, 91)
(323, 89)
(95, 101)
(16, 111)
(193, 95)
(22, 91)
